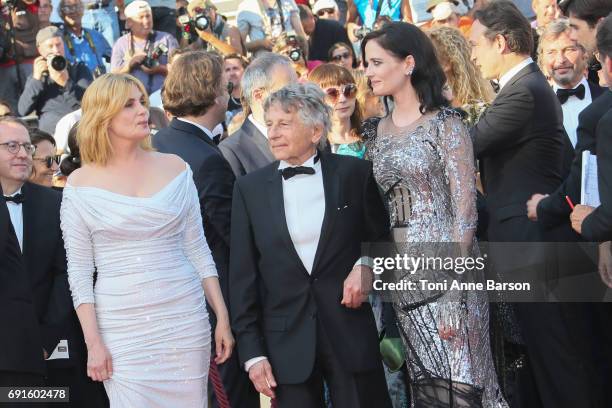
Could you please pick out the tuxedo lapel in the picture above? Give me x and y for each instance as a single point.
(260, 140)
(279, 219)
(532, 67)
(331, 187)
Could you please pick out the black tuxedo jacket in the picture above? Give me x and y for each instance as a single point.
(521, 144)
(554, 210)
(596, 90)
(45, 260)
(20, 342)
(247, 149)
(214, 181)
(274, 302)
(598, 225)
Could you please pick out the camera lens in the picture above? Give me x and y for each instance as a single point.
(295, 55)
(202, 22)
(58, 63)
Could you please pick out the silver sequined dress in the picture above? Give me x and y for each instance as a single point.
(151, 256)
(427, 172)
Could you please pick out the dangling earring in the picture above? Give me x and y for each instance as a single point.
(409, 72)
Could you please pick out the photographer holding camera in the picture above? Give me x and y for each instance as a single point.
(18, 27)
(203, 28)
(143, 52)
(55, 87)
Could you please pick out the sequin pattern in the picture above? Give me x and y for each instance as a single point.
(427, 173)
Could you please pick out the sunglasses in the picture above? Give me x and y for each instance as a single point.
(49, 160)
(340, 57)
(349, 91)
(325, 11)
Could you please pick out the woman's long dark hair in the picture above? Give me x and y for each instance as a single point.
(403, 39)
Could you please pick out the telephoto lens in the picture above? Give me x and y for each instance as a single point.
(57, 62)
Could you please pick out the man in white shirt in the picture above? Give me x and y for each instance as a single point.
(565, 62)
(247, 149)
(298, 288)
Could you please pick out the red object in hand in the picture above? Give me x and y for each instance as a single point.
(569, 201)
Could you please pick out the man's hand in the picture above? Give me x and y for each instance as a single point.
(605, 263)
(136, 60)
(357, 286)
(532, 206)
(261, 377)
(39, 67)
(578, 215)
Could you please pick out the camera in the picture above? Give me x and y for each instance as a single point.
(57, 62)
(295, 54)
(361, 32)
(152, 58)
(201, 21)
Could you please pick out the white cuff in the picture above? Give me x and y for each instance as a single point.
(252, 361)
(365, 261)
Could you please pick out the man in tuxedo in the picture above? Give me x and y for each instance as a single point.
(247, 149)
(584, 15)
(298, 287)
(35, 216)
(521, 145)
(565, 61)
(195, 93)
(595, 224)
(22, 357)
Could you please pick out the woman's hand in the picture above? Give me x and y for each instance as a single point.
(224, 341)
(99, 362)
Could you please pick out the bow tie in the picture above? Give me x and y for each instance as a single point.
(17, 198)
(564, 94)
(289, 172)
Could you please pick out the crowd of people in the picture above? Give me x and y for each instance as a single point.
(192, 208)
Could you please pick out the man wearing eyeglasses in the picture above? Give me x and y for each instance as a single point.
(34, 212)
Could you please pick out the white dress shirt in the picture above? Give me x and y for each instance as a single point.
(572, 108)
(304, 199)
(504, 79)
(16, 214)
(259, 126)
(217, 131)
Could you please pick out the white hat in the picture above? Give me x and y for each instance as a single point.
(443, 10)
(136, 7)
(324, 4)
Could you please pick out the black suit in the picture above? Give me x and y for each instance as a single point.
(281, 311)
(247, 149)
(214, 181)
(45, 259)
(554, 209)
(522, 146)
(21, 358)
(598, 225)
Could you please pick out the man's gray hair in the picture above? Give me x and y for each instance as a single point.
(552, 31)
(259, 73)
(308, 100)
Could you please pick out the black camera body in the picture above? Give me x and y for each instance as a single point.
(57, 62)
(152, 58)
(201, 21)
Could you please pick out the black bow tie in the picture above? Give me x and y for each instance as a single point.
(564, 94)
(289, 172)
(17, 198)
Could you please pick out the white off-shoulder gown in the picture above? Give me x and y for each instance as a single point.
(151, 256)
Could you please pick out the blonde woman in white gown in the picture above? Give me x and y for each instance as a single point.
(133, 216)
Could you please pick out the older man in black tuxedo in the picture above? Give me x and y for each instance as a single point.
(297, 288)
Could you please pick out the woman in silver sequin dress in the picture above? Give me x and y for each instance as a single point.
(423, 160)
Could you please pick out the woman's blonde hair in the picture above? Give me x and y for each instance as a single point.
(465, 80)
(102, 101)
